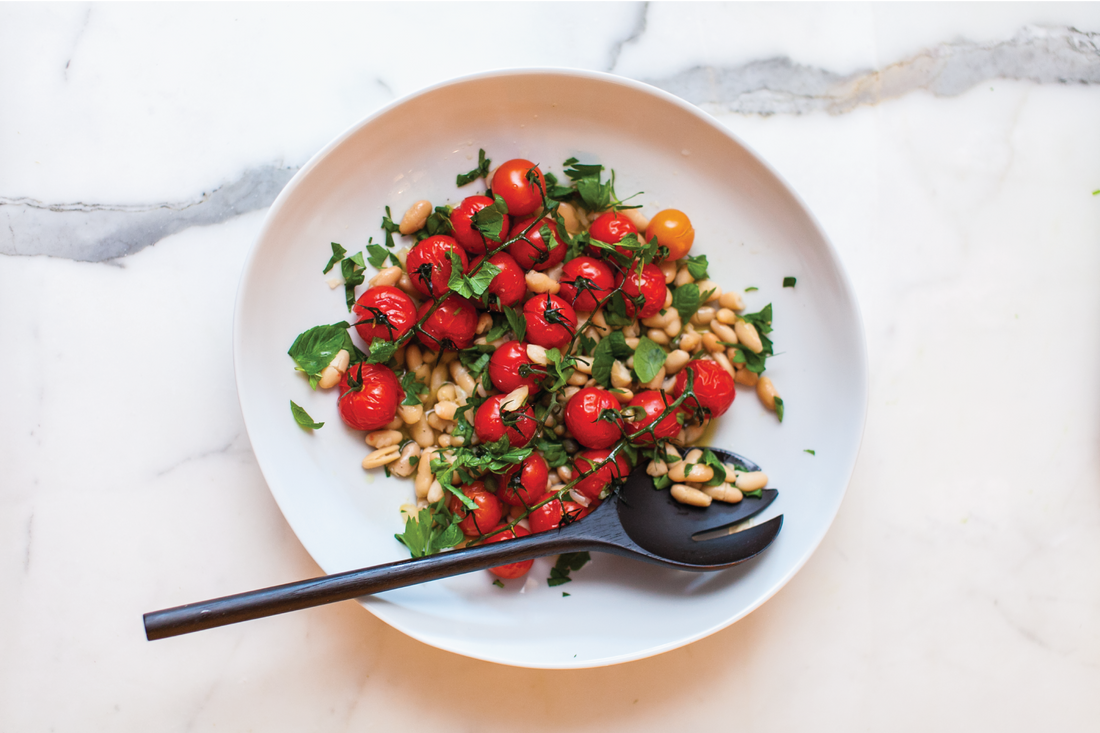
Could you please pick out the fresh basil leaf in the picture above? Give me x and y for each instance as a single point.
(377, 255)
(490, 220)
(697, 266)
(567, 562)
(313, 350)
(302, 417)
(390, 227)
(552, 450)
(483, 278)
(615, 311)
(381, 351)
(516, 322)
(662, 482)
(607, 351)
(482, 170)
(649, 357)
(788, 282)
(338, 253)
(500, 327)
(709, 459)
(811, 451)
(779, 408)
(753, 494)
(412, 388)
(353, 271)
(686, 300)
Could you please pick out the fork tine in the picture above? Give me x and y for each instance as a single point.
(734, 548)
(731, 514)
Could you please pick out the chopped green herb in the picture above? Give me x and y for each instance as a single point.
(607, 351)
(810, 451)
(377, 255)
(517, 323)
(390, 227)
(649, 357)
(498, 582)
(566, 595)
(788, 282)
(302, 417)
(338, 253)
(315, 349)
(567, 563)
(751, 288)
(686, 300)
(433, 529)
(381, 351)
(662, 482)
(412, 388)
(697, 266)
(482, 171)
(353, 271)
(754, 494)
(490, 220)
(470, 287)
(779, 408)
(709, 459)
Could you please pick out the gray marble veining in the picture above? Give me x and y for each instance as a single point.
(98, 232)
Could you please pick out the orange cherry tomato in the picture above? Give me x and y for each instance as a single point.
(673, 230)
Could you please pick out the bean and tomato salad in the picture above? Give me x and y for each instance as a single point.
(528, 348)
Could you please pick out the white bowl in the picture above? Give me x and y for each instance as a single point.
(755, 231)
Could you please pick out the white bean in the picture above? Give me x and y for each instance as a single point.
(747, 335)
(676, 360)
(382, 456)
(765, 390)
(415, 217)
(732, 300)
(389, 276)
(751, 481)
(383, 438)
(688, 495)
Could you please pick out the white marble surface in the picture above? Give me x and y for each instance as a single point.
(950, 151)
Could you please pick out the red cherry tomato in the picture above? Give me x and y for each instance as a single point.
(610, 228)
(551, 322)
(592, 486)
(713, 386)
(582, 414)
(650, 284)
(384, 312)
(469, 238)
(512, 569)
(586, 281)
(373, 404)
(533, 252)
(525, 483)
(506, 365)
(491, 424)
(673, 230)
(508, 285)
(510, 183)
(451, 326)
(476, 521)
(429, 265)
(654, 402)
(550, 515)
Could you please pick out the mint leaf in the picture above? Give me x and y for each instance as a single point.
(516, 322)
(649, 357)
(697, 266)
(607, 351)
(788, 282)
(377, 255)
(686, 300)
(709, 459)
(490, 220)
(313, 350)
(482, 171)
(302, 417)
(381, 351)
(338, 253)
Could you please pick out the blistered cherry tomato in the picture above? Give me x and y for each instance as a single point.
(384, 312)
(469, 238)
(582, 418)
(654, 402)
(373, 403)
(650, 284)
(551, 321)
(713, 386)
(673, 230)
(510, 183)
(451, 326)
(525, 483)
(510, 368)
(592, 486)
(610, 228)
(512, 569)
(491, 423)
(585, 281)
(508, 286)
(429, 264)
(549, 515)
(533, 252)
(476, 521)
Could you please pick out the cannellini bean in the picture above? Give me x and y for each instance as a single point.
(422, 433)
(555, 272)
(724, 492)
(382, 456)
(484, 323)
(633, 342)
(658, 336)
(637, 218)
(747, 335)
(668, 299)
(410, 414)
(600, 321)
(724, 333)
(413, 359)
(430, 357)
(668, 269)
(691, 339)
(657, 380)
(394, 424)
(668, 384)
(514, 400)
(439, 376)
(388, 276)
(584, 364)
(709, 285)
(710, 343)
(446, 393)
(661, 320)
(404, 466)
(687, 495)
(631, 330)
(656, 468)
(751, 481)
(698, 473)
(673, 329)
(568, 392)
(746, 377)
(765, 390)
(446, 410)
(620, 375)
(330, 375)
(537, 354)
(623, 395)
(437, 422)
(732, 300)
(569, 216)
(403, 256)
(692, 433)
(383, 438)
(683, 277)
(723, 362)
(676, 360)
(423, 373)
(406, 286)
(424, 475)
(565, 473)
(447, 357)
(577, 378)
(415, 217)
(435, 492)
(725, 315)
(703, 316)
(444, 440)
(540, 283)
(462, 378)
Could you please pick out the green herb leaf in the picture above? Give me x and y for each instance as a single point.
(662, 482)
(566, 595)
(516, 322)
(788, 282)
(315, 349)
(381, 351)
(338, 253)
(302, 417)
(482, 171)
(352, 269)
(490, 220)
(412, 388)
(779, 408)
(607, 351)
(649, 357)
(390, 227)
(810, 451)
(567, 562)
(697, 266)
(434, 528)
(551, 450)
(686, 300)
(615, 311)
(377, 255)
(709, 459)
(751, 289)
(754, 494)
(466, 286)
(498, 582)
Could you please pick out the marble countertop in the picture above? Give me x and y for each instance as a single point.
(951, 153)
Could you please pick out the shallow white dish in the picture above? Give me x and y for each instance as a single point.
(755, 232)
